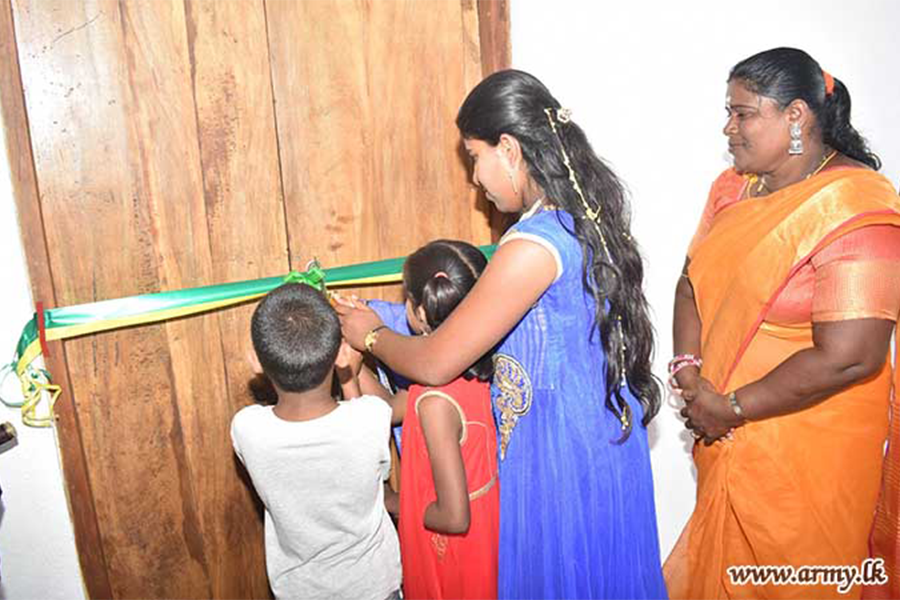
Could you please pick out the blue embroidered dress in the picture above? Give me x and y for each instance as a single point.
(577, 514)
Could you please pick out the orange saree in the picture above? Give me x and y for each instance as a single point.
(801, 489)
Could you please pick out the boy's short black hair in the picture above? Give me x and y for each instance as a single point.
(296, 335)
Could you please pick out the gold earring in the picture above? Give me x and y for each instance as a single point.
(510, 170)
(512, 180)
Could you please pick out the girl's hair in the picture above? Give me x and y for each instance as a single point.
(788, 74)
(437, 277)
(517, 104)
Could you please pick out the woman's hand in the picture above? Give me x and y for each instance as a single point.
(708, 414)
(356, 321)
(686, 383)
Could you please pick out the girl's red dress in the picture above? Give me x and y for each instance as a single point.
(437, 565)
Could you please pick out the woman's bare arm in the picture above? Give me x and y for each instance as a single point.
(516, 277)
(686, 329)
(843, 353)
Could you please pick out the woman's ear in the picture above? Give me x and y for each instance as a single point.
(509, 148)
(798, 111)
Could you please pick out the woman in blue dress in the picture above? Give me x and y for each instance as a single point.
(562, 299)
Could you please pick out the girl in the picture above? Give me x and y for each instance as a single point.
(572, 387)
(449, 496)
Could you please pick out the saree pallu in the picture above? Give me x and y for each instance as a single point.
(798, 490)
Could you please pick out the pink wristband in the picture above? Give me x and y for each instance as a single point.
(677, 360)
(688, 360)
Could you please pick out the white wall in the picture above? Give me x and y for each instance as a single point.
(646, 80)
(37, 543)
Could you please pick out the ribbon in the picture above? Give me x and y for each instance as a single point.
(85, 319)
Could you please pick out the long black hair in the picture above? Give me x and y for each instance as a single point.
(788, 74)
(516, 103)
(436, 277)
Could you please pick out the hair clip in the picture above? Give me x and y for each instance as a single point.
(563, 115)
(829, 82)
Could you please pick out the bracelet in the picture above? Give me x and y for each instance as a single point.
(735, 405)
(680, 362)
(676, 363)
(372, 337)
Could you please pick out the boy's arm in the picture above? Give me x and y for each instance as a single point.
(370, 385)
(350, 388)
(391, 500)
(346, 366)
(442, 426)
(356, 379)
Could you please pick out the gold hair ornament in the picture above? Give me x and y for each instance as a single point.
(564, 115)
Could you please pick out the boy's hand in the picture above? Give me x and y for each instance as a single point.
(351, 301)
(347, 367)
(348, 359)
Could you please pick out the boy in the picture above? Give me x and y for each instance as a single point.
(316, 463)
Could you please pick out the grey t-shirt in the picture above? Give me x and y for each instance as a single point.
(327, 532)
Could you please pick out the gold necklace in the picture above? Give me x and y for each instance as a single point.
(762, 184)
(825, 161)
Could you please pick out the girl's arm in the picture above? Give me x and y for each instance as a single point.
(515, 278)
(442, 427)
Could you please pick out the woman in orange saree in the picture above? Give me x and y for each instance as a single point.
(782, 329)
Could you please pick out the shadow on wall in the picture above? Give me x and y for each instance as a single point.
(654, 434)
(8, 441)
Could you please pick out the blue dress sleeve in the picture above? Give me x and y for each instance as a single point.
(552, 229)
(392, 314)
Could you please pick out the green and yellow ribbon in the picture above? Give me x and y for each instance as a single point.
(85, 319)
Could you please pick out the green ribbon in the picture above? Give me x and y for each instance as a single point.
(104, 314)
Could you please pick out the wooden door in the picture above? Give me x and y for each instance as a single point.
(164, 144)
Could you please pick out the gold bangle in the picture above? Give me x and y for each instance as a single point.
(372, 337)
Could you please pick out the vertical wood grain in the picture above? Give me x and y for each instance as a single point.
(248, 239)
(473, 74)
(31, 223)
(176, 143)
(369, 150)
(495, 54)
(493, 25)
(107, 88)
